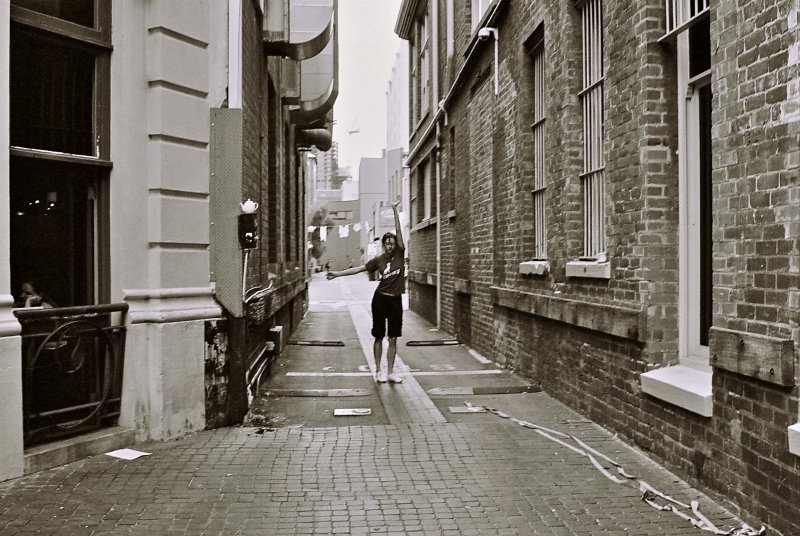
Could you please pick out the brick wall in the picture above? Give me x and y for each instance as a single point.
(741, 451)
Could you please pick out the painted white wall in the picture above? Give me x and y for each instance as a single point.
(162, 90)
(11, 458)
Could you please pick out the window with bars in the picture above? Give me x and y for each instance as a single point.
(539, 170)
(591, 97)
(682, 12)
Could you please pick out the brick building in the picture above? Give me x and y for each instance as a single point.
(130, 135)
(604, 196)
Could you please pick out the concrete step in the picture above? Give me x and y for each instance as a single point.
(41, 457)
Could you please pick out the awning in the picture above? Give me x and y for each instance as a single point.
(307, 37)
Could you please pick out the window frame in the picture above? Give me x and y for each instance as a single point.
(591, 97)
(97, 42)
(536, 54)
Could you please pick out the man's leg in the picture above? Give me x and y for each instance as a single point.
(377, 352)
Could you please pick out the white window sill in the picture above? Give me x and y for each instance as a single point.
(534, 267)
(682, 386)
(592, 269)
(794, 439)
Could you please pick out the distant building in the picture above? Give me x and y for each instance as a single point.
(397, 137)
(619, 218)
(372, 197)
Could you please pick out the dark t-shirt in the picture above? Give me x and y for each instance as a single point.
(390, 272)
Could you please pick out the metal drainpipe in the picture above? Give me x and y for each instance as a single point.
(437, 161)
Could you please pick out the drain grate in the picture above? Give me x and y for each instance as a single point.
(316, 343)
(434, 342)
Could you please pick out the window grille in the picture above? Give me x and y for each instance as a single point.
(539, 184)
(681, 12)
(592, 178)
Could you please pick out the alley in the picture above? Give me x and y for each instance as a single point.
(416, 464)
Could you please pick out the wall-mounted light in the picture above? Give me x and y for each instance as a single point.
(485, 34)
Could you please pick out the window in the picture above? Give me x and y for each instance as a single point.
(692, 33)
(424, 51)
(59, 130)
(420, 69)
(591, 97)
(539, 170)
(479, 7)
(413, 194)
(413, 85)
(426, 189)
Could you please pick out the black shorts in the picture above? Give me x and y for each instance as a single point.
(385, 309)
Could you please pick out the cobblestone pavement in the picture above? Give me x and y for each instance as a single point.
(411, 467)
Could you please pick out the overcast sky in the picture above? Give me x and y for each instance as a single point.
(367, 47)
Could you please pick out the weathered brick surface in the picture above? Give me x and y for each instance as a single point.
(486, 182)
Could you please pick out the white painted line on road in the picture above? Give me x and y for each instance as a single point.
(467, 409)
(478, 356)
(351, 412)
(457, 372)
(420, 373)
(328, 374)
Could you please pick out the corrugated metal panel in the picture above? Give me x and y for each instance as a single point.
(226, 194)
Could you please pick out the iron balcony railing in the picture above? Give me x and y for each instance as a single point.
(72, 360)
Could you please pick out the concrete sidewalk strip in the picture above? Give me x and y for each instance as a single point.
(404, 402)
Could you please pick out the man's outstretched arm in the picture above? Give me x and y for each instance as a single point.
(398, 230)
(349, 271)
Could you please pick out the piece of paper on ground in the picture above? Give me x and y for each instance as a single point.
(127, 454)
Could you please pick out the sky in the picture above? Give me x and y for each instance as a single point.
(367, 48)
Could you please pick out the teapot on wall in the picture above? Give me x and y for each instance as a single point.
(249, 206)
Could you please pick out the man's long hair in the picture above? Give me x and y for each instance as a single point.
(386, 236)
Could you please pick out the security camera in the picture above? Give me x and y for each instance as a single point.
(486, 33)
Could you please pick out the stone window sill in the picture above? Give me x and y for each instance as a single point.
(534, 267)
(794, 439)
(681, 386)
(425, 224)
(590, 269)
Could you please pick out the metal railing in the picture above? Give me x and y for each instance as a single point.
(72, 360)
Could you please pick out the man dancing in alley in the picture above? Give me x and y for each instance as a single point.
(387, 304)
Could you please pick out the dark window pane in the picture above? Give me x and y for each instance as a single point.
(52, 230)
(700, 47)
(52, 94)
(77, 11)
(706, 221)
